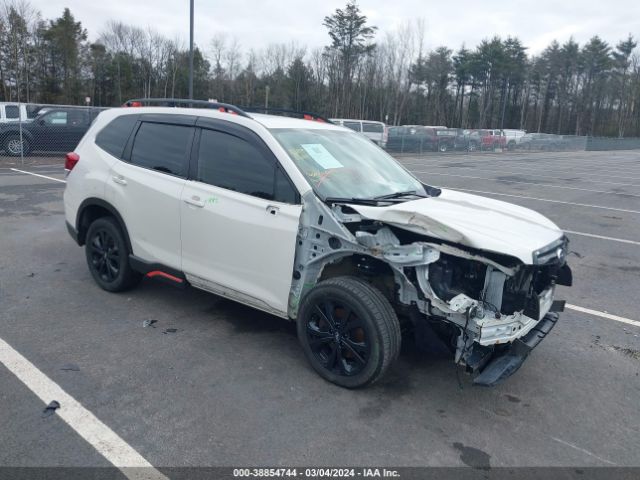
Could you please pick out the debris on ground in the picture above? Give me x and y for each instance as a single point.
(31, 275)
(50, 409)
(149, 323)
(70, 367)
(170, 330)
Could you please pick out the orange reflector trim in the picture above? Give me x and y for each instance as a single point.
(158, 273)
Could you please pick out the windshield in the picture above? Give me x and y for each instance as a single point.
(341, 164)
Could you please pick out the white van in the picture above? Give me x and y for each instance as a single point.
(377, 132)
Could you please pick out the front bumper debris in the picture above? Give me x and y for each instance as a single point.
(498, 365)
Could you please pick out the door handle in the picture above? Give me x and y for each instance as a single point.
(195, 201)
(119, 179)
(273, 209)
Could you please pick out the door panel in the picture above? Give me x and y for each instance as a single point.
(149, 203)
(239, 242)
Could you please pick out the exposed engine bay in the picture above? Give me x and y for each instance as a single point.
(478, 303)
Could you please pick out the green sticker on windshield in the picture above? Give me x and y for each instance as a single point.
(321, 155)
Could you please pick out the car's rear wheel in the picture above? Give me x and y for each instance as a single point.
(15, 146)
(348, 331)
(443, 147)
(108, 256)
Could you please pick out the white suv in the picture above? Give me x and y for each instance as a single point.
(314, 223)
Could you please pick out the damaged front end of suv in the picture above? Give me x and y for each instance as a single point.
(475, 275)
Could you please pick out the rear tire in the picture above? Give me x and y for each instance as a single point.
(108, 256)
(14, 147)
(348, 331)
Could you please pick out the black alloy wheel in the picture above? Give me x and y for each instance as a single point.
(348, 331)
(337, 338)
(105, 255)
(108, 256)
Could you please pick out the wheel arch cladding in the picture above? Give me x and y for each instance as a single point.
(93, 208)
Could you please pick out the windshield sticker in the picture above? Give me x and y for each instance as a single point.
(321, 155)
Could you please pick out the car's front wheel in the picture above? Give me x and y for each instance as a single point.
(108, 256)
(348, 331)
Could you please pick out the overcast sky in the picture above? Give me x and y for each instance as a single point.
(259, 22)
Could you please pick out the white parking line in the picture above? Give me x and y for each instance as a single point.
(523, 166)
(602, 237)
(540, 199)
(521, 172)
(606, 315)
(38, 175)
(545, 185)
(85, 423)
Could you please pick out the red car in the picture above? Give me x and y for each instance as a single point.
(492, 139)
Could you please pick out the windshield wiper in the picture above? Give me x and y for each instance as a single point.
(399, 195)
(361, 201)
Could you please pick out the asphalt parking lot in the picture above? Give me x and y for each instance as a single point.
(231, 387)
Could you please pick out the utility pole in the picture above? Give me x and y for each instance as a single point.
(266, 97)
(191, 50)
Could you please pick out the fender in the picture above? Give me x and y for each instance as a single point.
(5, 131)
(82, 226)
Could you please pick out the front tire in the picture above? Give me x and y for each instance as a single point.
(108, 256)
(348, 331)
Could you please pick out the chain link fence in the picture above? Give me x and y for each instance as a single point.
(31, 133)
(37, 133)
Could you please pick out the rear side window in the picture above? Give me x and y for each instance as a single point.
(355, 126)
(12, 112)
(372, 127)
(114, 136)
(162, 147)
(230, 162)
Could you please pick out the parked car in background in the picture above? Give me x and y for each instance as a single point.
(17, 112)
(541, 141)
(378, 132)
(418, 139)
(54, 129)
(492, 139)
(513, 137)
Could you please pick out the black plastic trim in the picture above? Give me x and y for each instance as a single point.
(505, 363)
(144, 267)
(73, 232)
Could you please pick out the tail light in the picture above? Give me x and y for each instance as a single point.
(70, 160)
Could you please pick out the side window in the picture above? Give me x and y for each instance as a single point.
(78, 117)
(372, 127)
(56, 118)
(230, 162)
(12, 112)
(113, 137)
(162, 147)
(355, 126)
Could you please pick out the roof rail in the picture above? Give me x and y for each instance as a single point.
(301, 114)
(175, 102)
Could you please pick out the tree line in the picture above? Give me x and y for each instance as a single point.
(568, 88)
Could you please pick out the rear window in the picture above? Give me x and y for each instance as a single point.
(372, 127)
(114, 136)
(162, 147)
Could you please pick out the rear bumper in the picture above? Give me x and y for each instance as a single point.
(495, 366)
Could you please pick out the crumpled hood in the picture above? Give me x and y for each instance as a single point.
(471, 220)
